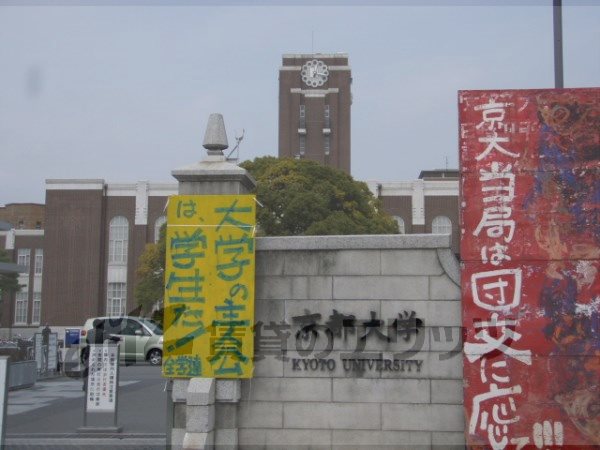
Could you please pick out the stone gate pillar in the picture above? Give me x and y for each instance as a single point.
(202, 414)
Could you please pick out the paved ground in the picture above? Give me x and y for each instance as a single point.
(48, 415)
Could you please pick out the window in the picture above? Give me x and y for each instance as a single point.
(441, 225)
(157, 225)
(23, 256)
(117, 299)
(118, 240)
(400, 221)
(327, 121)
(21, 307)
(302, 116)
(37, 307)
(38, 225)
(302, 144)
(39, 261)
(327, 145)
(133, 326)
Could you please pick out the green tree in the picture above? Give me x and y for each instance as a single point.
(151, 274)
(9, 282)
(301, 197)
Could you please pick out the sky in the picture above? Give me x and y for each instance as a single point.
(123, 93)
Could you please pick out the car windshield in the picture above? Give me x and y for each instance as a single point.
(154, 327)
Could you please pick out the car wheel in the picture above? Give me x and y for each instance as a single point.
(155, 357)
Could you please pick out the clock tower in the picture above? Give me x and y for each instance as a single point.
(314, 108)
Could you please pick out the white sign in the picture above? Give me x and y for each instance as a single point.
(39, 354)
(3, 391)
(52, 349)
(102, 378)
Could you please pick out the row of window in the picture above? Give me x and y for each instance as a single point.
(117, 300)
(118, 241)
(118, 238)
(24, 259)
(21, 307)
(439, 225)
(302, 125)
(326, 117)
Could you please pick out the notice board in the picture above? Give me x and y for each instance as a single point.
(530, 246)
(209, 286)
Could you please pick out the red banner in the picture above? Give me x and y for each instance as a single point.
(530, 219)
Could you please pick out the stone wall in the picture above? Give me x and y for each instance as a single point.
(348, 390)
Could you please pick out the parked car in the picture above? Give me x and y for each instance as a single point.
(140, 339)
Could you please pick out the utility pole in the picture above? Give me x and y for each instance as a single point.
(558, 44)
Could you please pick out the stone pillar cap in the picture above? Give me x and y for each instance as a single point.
(215, 138)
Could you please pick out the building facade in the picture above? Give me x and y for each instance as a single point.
(314, 108)
(83, 263)
(427, 205)
(23, 216)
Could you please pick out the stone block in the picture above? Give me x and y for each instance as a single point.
(447, 391)
(179, 392)
(350, 262)
(446, 338)
(226, 438)
(200, 419)
(388, 440)
(198, 441)
(443, 288)
(448, 440)
(201, 391)
(354, 242)
(302, 262)
(226, 415)
(312, 288)
(445, 365)
(422, 417)
(228, 391)
(273, 288)
(381, 390)
(449, 263)
(284, 439)
(432, 313)
(269, 263)
(287, 390)
(434, 365)
(356, 416)
(260, 415)
(410, 262)
(179, 415)
(294, 288)
(269, 311)
(269, 366)
(177, 435)
(380, 288)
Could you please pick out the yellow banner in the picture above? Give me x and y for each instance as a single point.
(209, 286)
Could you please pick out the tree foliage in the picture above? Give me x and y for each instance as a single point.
(151, 274)
(301, 197)
(9, 282)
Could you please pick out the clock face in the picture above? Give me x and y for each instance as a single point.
(314, 73)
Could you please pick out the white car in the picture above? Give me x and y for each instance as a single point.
(140, 339)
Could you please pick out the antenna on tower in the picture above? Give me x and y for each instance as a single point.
(446, 162)
(236, 148)
(312, 41)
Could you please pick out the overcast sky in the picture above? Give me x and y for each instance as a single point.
(123, 92)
